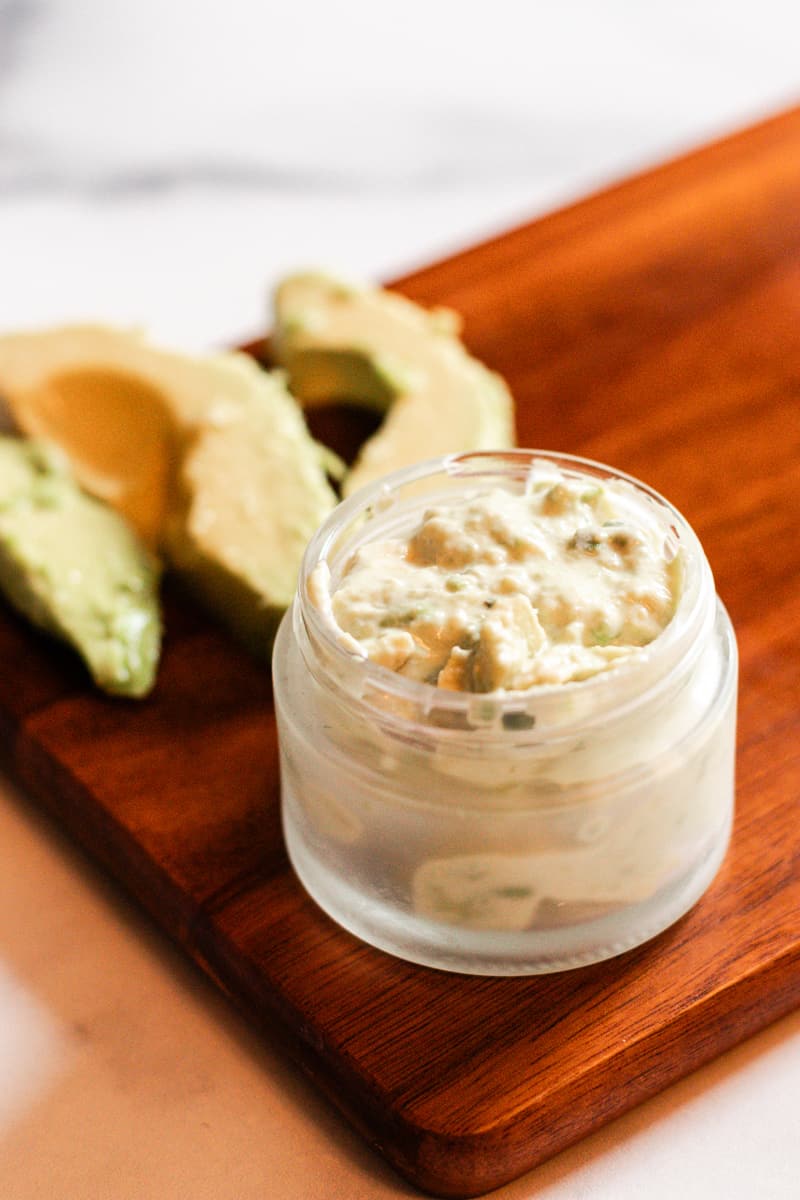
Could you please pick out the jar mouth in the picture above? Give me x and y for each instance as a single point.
(518, 716)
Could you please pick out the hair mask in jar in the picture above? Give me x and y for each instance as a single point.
(506, 698)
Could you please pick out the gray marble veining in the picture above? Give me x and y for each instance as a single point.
(147, 146)
(119, 98)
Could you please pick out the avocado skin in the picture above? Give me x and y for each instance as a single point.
(75, 569)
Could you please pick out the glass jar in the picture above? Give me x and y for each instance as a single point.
(508, 832)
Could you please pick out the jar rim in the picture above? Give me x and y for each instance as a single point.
(603, 696)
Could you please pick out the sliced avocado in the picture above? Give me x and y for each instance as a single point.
(250, 494)
(338, 342)
(207, 456)
(73, 567)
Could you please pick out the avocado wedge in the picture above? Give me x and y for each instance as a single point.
(74, 568)
(250, 493)
(340, 342)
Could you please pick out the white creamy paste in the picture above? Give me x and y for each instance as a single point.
(503, 591)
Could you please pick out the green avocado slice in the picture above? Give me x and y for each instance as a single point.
(250, 493)
(74, 568)
(340, 342)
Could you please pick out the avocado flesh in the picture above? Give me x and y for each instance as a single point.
(74, 568)
(250, 495)
(175, 418)
(120, 408)
(339, 342)
(112, 402)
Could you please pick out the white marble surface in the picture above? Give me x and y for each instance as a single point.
(161, 163)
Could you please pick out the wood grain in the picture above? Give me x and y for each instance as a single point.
(656, 327)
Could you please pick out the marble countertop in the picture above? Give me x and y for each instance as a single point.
(162, 163)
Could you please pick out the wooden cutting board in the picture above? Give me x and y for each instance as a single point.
(655, 327)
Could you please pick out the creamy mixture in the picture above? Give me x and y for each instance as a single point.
(606, 817)
(504, 590)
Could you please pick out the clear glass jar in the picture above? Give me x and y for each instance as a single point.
(509, 832)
